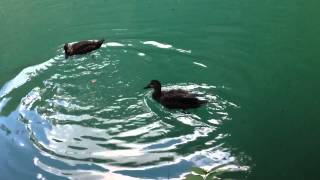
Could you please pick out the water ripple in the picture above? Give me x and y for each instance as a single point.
(87, 110)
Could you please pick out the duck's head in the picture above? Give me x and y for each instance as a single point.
(65, 47)
(66, 50)
(155, 84)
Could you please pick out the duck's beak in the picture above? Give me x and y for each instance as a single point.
(147, 87)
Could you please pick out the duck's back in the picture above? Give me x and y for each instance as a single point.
(179, 99)
(84, 47)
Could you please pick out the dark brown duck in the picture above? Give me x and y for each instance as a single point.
(174, 99)
(81, 47)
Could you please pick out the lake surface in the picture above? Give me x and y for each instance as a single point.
(88, 117)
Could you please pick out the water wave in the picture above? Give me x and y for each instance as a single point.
(84, 112)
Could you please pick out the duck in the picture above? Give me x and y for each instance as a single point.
(175, 98)
(81, 47)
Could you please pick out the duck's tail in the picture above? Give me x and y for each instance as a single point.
(203, 102)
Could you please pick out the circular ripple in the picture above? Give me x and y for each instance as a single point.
(92, 109)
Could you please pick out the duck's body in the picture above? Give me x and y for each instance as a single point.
(174, 99)
(81, 47)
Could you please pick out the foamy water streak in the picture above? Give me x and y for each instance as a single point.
(112, 44)
(24, 76)
(165, 46)
(3, 103)
(157, 44)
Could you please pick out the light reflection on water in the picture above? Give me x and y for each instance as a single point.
(111, 124)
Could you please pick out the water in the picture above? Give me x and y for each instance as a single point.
(89, 117)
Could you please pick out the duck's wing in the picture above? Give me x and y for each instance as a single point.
(176, 101)
(81, 44)
(86, 46)
(179, 92)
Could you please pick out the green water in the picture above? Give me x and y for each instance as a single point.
(256, 62)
